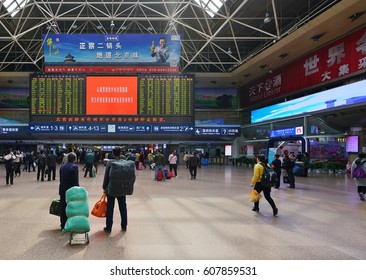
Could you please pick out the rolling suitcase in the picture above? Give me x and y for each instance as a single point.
(160, 175)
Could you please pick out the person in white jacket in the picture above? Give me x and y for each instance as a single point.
(9, 166)
(360, 182)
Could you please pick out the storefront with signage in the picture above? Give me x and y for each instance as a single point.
(323, 143)
(306, 94)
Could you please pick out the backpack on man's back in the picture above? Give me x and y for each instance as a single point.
(121, 178)
(269, 177)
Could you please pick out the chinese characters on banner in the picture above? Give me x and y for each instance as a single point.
(339, 59)
(107, 53)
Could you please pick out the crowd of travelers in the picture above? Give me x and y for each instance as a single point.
(44, 162)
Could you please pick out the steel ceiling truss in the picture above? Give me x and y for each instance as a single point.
(209, 44)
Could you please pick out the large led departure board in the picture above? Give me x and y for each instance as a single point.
(57, 94)
(112, 104)
(166, 95)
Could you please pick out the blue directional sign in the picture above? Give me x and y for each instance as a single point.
(287, 131)
(47, 128)
(131, 128)
(87, 128)
(12, 130)
(218, 130)
(111, 128)
(172, 129)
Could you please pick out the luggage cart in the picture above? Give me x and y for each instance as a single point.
(76, 238)
(77, 212)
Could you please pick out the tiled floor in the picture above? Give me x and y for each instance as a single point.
(208, 218)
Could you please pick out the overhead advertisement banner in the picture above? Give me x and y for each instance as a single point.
(339, 59)
(347, 95)
(14, 98)
(81, 52)
(216, 98)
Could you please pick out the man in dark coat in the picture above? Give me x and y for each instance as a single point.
(51, 165)
(69, 177)
(287, 164)
(41, 163)
(111, 199)
(277, 165)
(193, 162)
(89, 161)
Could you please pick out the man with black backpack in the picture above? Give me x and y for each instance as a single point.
(358, 171)
(259, 185)
(119, 178)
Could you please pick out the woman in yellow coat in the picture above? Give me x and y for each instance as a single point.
(256, 184)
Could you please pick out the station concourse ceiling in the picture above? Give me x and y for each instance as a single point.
(225, 43)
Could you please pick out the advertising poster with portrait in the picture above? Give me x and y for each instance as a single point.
(132, 53)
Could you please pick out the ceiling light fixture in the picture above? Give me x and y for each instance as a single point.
(112, 24)
(229, 52)
(53, 24)
(317, 37)
(100, 27)
(267, 19)
(355, 16)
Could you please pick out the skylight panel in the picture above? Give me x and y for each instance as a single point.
(13, 6)
(210, 6)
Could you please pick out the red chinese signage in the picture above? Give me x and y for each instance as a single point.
(339, 59)
(103, 119)
(111, 69)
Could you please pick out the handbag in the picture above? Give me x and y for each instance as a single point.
(254, 196)
(100, 208)
(55, 207)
